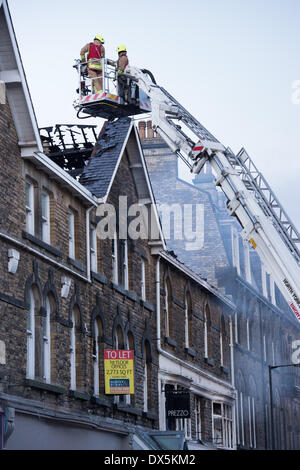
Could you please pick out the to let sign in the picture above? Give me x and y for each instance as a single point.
(119, 372)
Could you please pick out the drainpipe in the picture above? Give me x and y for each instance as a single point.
(88, 243)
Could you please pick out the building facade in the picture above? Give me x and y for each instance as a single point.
(68, 294)
(265, 332)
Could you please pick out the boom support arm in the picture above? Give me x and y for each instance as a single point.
(278, 251)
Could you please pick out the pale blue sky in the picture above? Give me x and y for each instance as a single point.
(231, 63)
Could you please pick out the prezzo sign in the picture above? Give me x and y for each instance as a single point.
(119, 372)
(178, 404)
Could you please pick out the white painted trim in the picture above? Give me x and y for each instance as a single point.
(63, 176)
(118, 162)
(22, 76)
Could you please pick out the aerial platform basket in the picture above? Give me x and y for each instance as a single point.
(120, 97)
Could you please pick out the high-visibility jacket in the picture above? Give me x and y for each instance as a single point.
(95, 52)
(122, 62)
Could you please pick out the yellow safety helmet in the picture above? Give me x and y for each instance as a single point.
(122, 48)
(100, 38)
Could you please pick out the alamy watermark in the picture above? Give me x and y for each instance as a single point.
(140, 221)
(295, 98)
(296, 352)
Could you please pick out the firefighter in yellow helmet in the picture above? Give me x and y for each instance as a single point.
(92, 53)
(123, 59)
(121, 66)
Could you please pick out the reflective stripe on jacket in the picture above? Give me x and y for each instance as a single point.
(95, 52)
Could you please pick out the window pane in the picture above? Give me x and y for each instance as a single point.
(217, 409)
(45, 205)
(28, 189)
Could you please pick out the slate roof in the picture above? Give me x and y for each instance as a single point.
(97, 175)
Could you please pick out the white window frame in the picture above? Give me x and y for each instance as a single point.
(45, 217)
(47, 344)
(247, 262)
(265, 348)
(30, 209)
(93, 249)
(272, 290)
(143, 281)
(30, 366)
(145, 385)
(128, 396)
(73, 355)
(115, 260)
(71, 230)
(221, 349)
(125, 266)
(226, 425)
(96, 358)
(264, 281)
(186, 323)
(248, 334)
(242, 418)
(197, 412)
(236, 251)
(205, 337)
(236, 331)
(167, 310)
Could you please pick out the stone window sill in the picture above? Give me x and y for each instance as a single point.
(100, 401)
(170, 341)
(43, 386)
(129, 409)
(76, 264)
(190, 352)
(150, 415)
(147, 305)
(125, 292)
(41, 244)
(98, 277)
(79, 395)
(208, 361)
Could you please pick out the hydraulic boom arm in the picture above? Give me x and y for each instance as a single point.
(250, 199)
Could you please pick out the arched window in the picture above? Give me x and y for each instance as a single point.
(97, 356)
(207, 332)
(188, 321)
(240, 408)
(52, 342)
(47, 340)
(38, 339)
(119, 344)
(76, 351)
(147, 376)
(130, 346)
(252, 412)
(168, 312)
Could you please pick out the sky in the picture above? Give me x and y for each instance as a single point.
(233, 64)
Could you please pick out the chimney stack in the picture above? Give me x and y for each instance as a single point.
(142, 127)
